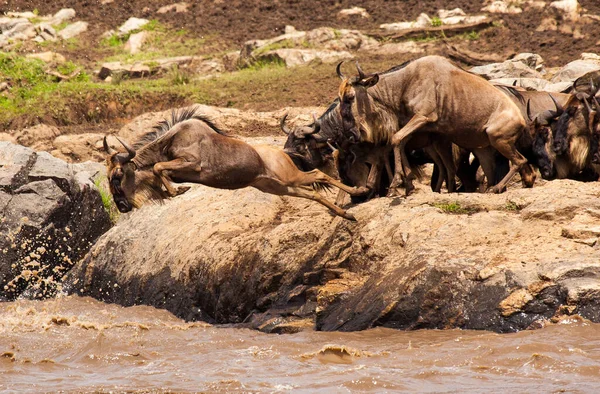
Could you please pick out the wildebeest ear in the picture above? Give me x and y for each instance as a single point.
(370, 81)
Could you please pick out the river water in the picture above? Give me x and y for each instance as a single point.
(75, 344)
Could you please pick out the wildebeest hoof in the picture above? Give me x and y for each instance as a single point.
(361, 191)
(182, 189)
(496, 189)
(349, 216)
(393, 192)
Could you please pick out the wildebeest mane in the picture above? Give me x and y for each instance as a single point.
(398, 67)
(177, 116)
(512, 91)
(333, 129)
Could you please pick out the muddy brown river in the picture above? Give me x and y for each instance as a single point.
(75, 344)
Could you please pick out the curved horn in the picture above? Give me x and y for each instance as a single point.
(317, 122)
(319, 138)
(107, 148)
(128, 148)
(529, 110)
(559, 108)
(361, 74)
(543, 118)
(338, 70)
(587, 105)
(596, 102)
(284, 128)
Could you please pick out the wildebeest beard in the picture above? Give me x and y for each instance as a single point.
(560, 130)
(118, 195)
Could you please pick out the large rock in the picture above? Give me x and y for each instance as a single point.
(515, 68)
(135, 42)
(498, 262)
(576, 69)
(52, 213)
(132, 24)
(135, 70)
(293, 57)
(66, 14)
(503, 7)
(79, 147)
(534, 83)
(73, 30)
(38, 137)
(569, 9)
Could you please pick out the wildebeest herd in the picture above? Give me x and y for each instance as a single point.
(375, 136)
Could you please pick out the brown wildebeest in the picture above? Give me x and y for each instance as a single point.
(190, 148)
(575, 139)
(432, 95)
(573, 130)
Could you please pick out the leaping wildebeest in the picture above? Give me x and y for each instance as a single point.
(190, 148)
(432, 95)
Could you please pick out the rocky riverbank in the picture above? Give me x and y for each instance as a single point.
(497, 262)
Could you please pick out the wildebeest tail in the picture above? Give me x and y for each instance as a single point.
(322, 187)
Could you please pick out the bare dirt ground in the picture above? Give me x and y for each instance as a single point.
(226, 25)
(233, 22)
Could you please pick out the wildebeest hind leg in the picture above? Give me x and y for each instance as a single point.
(159, 170)
(317, 176)
(305, 192)
(274, 186)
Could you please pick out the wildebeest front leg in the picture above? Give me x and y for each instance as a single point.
(177, 164)
(444, 150)
(399, 141)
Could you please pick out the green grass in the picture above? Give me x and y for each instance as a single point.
(29, 82)
(158, 44)
(266, 63)
(512, 206)
(178, 76)
(436, 22)
(34, 94)
(471, 36)
(454, 208)
(61, 26)
(107, 200)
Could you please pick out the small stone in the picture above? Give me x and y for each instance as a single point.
(132, 24)
(353, 12)
(177, 8)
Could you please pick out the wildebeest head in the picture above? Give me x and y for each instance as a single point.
(121, 175)
(540, 129)
(305, 146)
